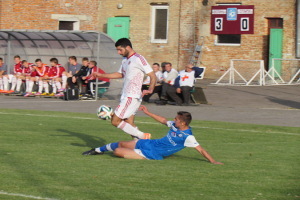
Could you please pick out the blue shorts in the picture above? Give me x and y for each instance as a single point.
(147, 149)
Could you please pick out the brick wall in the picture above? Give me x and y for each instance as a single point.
(188, 20)
(139, 12)
(253, 46)
(36, 14)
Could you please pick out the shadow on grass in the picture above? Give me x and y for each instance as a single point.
(187, 157)
(89, 141)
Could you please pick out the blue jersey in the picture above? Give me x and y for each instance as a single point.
(173, 142)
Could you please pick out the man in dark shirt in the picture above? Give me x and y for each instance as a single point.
(76, 79)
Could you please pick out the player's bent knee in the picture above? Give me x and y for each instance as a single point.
(115, 121)
(118, 152)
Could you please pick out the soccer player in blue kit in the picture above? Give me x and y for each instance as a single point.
(179, 136)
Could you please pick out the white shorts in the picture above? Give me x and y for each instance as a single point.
(139, 152)
(127, 107)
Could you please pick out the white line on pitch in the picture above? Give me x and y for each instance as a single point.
(294, 109)
(202, 127)
(24, 195)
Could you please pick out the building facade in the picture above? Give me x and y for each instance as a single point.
(163, 31)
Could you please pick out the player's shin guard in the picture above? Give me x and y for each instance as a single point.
(46, 86)
(58, 85)
(30, 86)
(54, 87)
(108, 147)
(19, 83)
(41, 84)
(5, 83)
(127, 128)
(64, 81)
(1, 84)
(13, 83)
(27, 85)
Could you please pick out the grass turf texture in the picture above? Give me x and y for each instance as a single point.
(40, 155)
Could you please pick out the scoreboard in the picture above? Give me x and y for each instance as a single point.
(232, 19)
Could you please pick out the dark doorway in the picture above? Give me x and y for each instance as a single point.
(273, 23)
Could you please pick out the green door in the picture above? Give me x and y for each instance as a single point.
(276, 37)
(118, 27)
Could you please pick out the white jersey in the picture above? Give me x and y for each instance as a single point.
(159, 78)
(170, 76)
(187, 78)
(133, 70)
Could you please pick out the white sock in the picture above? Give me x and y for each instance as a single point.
(127, 128)
(54, 88)
(1, 84)
(5, 83)
(13, 83)
(27, 84)
(58, 85)
(19, 83)
(64, 81)
(46, 86)
(30, 86)
(40, 86)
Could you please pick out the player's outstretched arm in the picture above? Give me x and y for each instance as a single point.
(154, 116)
(152, 84)
(206, 155)
(114, 75)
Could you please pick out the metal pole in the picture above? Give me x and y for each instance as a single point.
(98, 63)
(8, 54)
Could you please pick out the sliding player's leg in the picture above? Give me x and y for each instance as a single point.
(124, 149)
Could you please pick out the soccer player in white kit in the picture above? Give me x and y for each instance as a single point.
(133, 69)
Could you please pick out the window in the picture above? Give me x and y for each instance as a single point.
(228, 39)
(159, 32)
(68, 25)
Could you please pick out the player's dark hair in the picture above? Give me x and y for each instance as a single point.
(73, 58)
(185, 117)
(24, 61)
(1, 59)
(85, 59)
(38, 60)
(123, 42)
(94, 62)
(17, 56)
(156, 64)
(54, 60)
(168, 63)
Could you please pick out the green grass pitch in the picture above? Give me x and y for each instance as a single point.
(40, 155)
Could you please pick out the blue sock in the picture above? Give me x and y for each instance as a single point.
(108, 147)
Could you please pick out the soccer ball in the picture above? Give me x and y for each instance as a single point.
(104, 112)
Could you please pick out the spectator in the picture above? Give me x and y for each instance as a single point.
(158, 86)
(3, 75)
(184, 84)
(90, 80)
(76, 79)
(168, 81)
